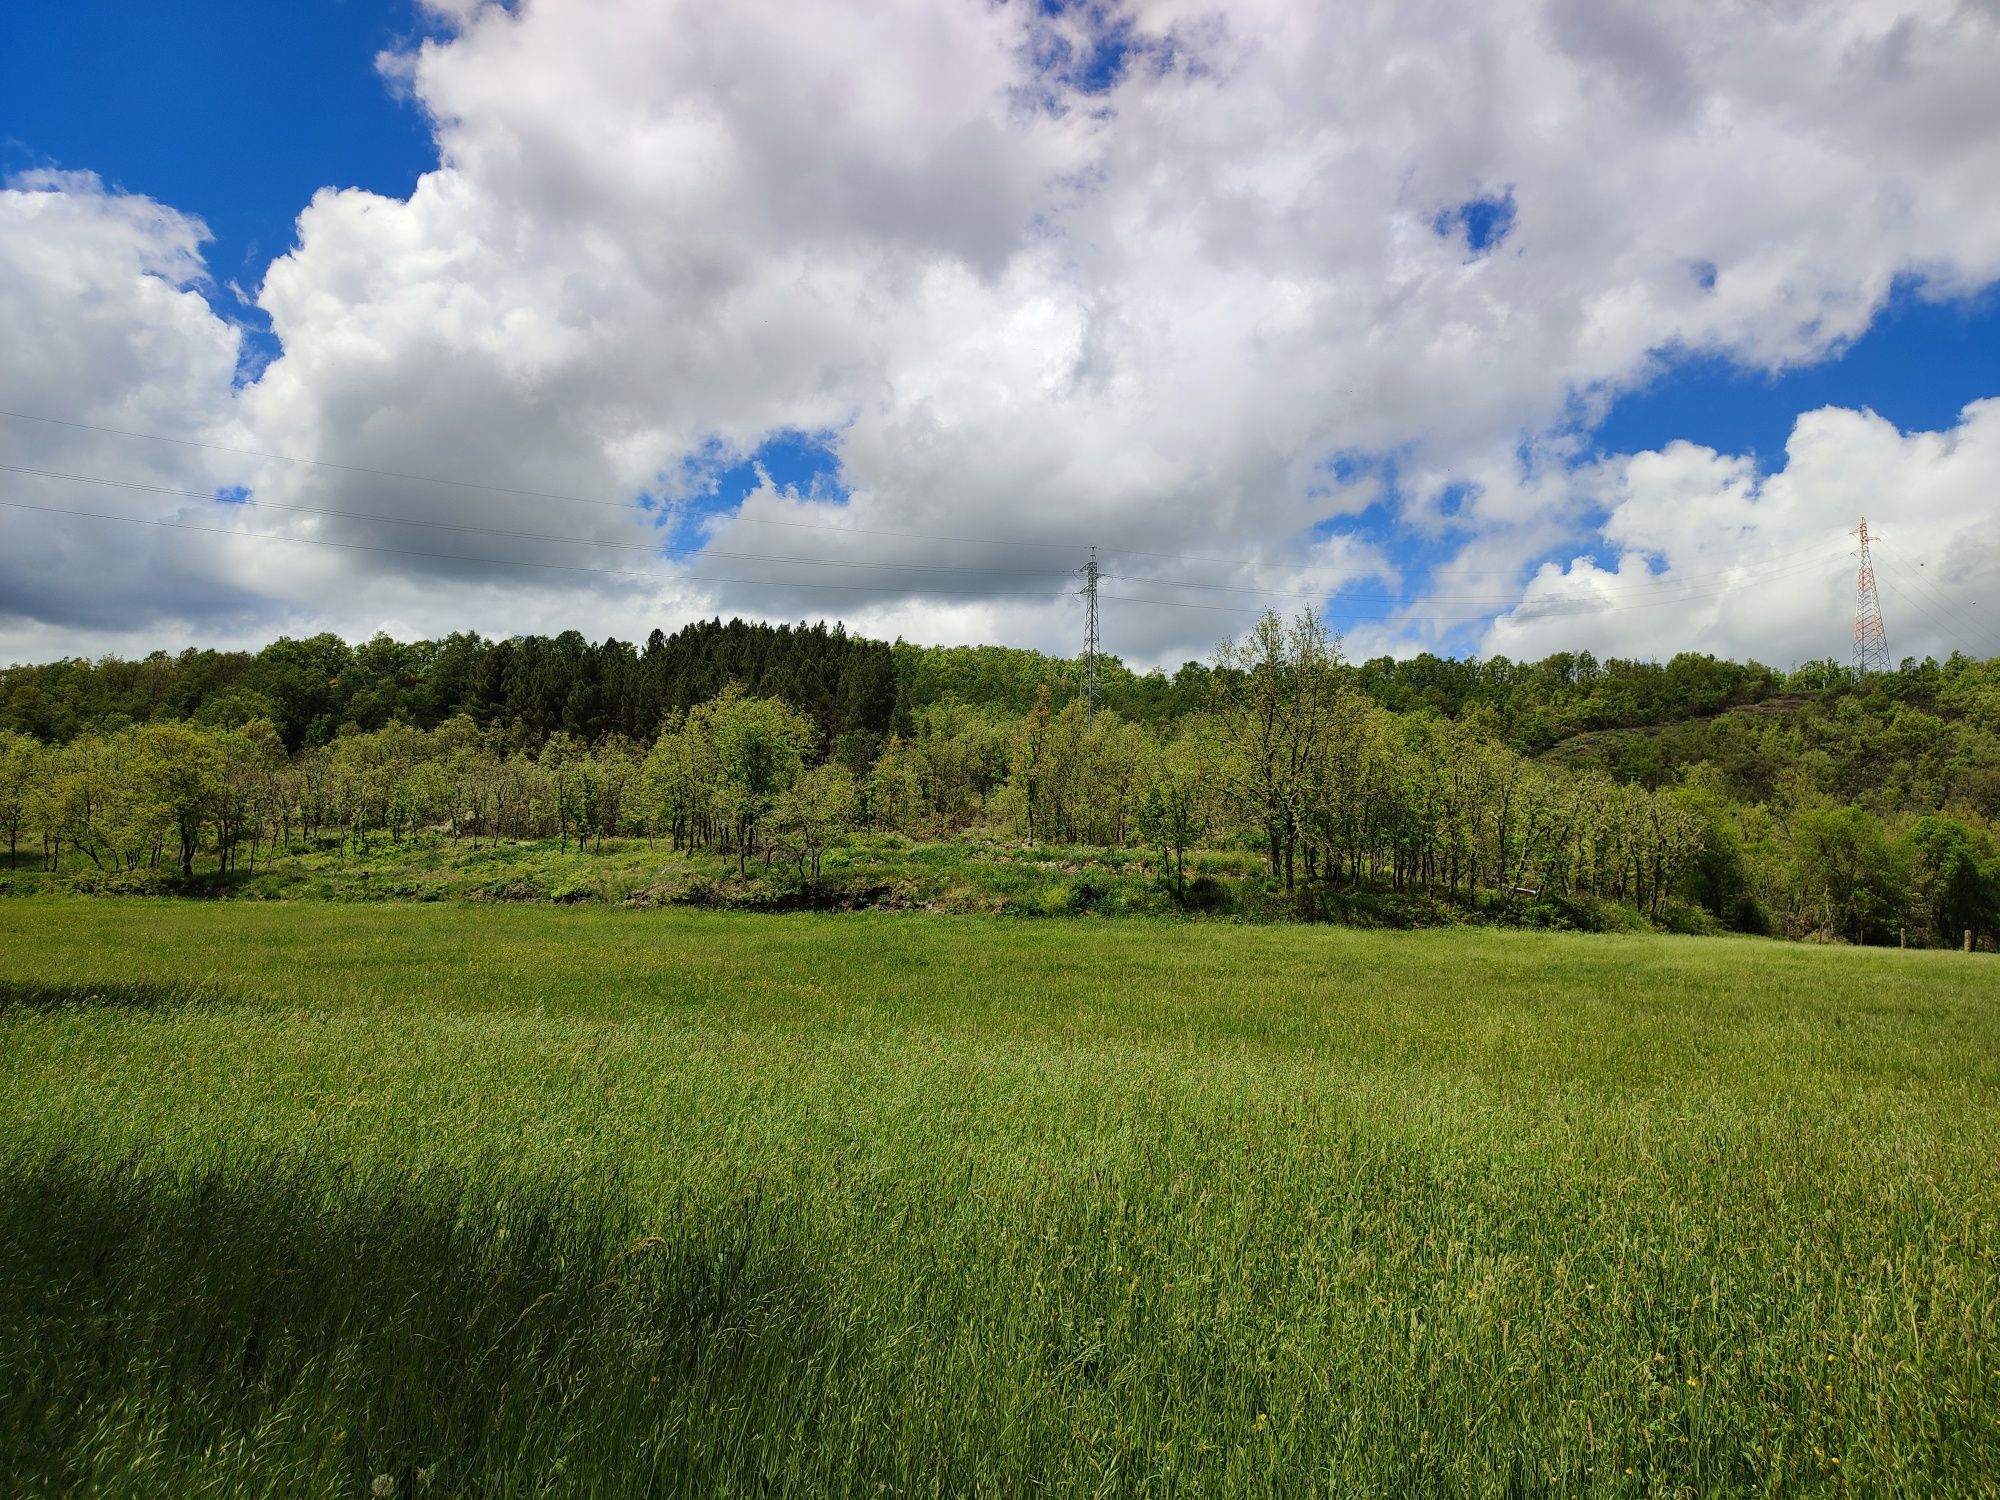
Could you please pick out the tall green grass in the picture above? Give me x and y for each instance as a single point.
(325, 1200)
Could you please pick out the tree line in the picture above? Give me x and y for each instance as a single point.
(313, 691)
(534, 686)
(1907, 741)
(1289, 751)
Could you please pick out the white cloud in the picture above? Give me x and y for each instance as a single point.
(1718, 557)
(105, 325)
(1144, 317)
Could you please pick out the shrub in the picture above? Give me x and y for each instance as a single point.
(93, 882)
(1210, 896)
(1089, 893)
(1689, 918)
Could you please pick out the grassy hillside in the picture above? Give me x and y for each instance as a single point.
(340, 1200)
(969, 876)
(886, 872)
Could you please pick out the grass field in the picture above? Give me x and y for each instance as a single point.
(326, 1199)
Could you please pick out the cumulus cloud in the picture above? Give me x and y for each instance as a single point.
(1213, 305)
(1714, 555)
(101, 297)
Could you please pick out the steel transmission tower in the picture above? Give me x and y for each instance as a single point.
(1871, 641)
(1090, 633)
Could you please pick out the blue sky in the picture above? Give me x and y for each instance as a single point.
(1918, 364)
(235, 113)
(238, 114)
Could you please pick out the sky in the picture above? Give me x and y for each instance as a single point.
(1486, 328)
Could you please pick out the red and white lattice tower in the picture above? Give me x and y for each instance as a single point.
(1871, 641)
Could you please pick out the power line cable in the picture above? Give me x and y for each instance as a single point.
(1685, 588)
(1952, 633)
(539, 536)
(1332, 611)
(319, 463)
(1576, 607)
(533, 494)
(893, 590)
(1656, 595)
(1966, 620)
(508, 562)
(629, 505)
(501, 489)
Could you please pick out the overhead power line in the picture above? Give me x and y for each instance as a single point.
(1336, 601)
(503, 489)
(1667, 592)
(541, 536)
(630, 505)
(1952, 633)
(1894, 571)
(894, 589)
(318, 463)
(535, 494)
(509, 562)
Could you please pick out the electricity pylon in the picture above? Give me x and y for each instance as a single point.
(1871, 641)
(1090, 634)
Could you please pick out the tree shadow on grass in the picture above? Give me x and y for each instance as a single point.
(268, 1327)
(108, 994)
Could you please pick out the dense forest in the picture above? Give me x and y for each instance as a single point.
(312, 691)
(1699, 792)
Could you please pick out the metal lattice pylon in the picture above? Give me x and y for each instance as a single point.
(1871, 641)
(1090, 633)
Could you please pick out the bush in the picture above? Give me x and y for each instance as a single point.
(1314, 902)
(1210, 896)
(1089, 893)
(1552, 913)
(93, 882)
(1690, 919)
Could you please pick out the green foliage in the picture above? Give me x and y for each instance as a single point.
(717, 777)
(1957, 875)
(1177, 799)
(1692, 787)
(529, 687)
(179, 772)
(813, 814)
(21, 775)
(1720, 879)
(1848, 872)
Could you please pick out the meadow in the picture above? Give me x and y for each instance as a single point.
(303, 1199)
